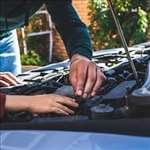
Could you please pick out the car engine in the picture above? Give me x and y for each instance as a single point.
(120, 96)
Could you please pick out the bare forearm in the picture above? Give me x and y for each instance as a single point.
(16, 103)
(40, 104)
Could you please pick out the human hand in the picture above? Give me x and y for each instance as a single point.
(86, 78)
(8, 79)
(40, 104)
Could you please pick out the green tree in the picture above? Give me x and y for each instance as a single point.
(133, 16)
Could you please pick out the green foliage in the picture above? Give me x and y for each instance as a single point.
(38, 45)
(32, 58)
(133, 18)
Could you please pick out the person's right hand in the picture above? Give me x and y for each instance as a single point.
(41, 104)
(8, 79)
(85, 76)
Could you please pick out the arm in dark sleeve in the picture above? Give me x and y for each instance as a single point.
(2, 104)
(73, 32)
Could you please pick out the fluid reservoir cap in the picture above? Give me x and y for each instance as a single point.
(101, 111)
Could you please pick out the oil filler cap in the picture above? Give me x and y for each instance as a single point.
(101, 111)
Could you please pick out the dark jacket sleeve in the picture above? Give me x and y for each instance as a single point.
(72, 30)
(2, 104)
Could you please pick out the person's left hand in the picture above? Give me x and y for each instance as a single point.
(85, 77)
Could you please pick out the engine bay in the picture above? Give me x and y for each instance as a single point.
(120, 97)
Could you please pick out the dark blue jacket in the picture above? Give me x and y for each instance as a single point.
(15, 13)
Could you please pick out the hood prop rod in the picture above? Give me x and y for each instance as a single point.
(123, 40)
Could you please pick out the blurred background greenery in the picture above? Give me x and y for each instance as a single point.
(134, 16)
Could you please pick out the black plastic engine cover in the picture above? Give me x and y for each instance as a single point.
(116, 96)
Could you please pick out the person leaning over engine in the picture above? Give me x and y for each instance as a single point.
(86, 78)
